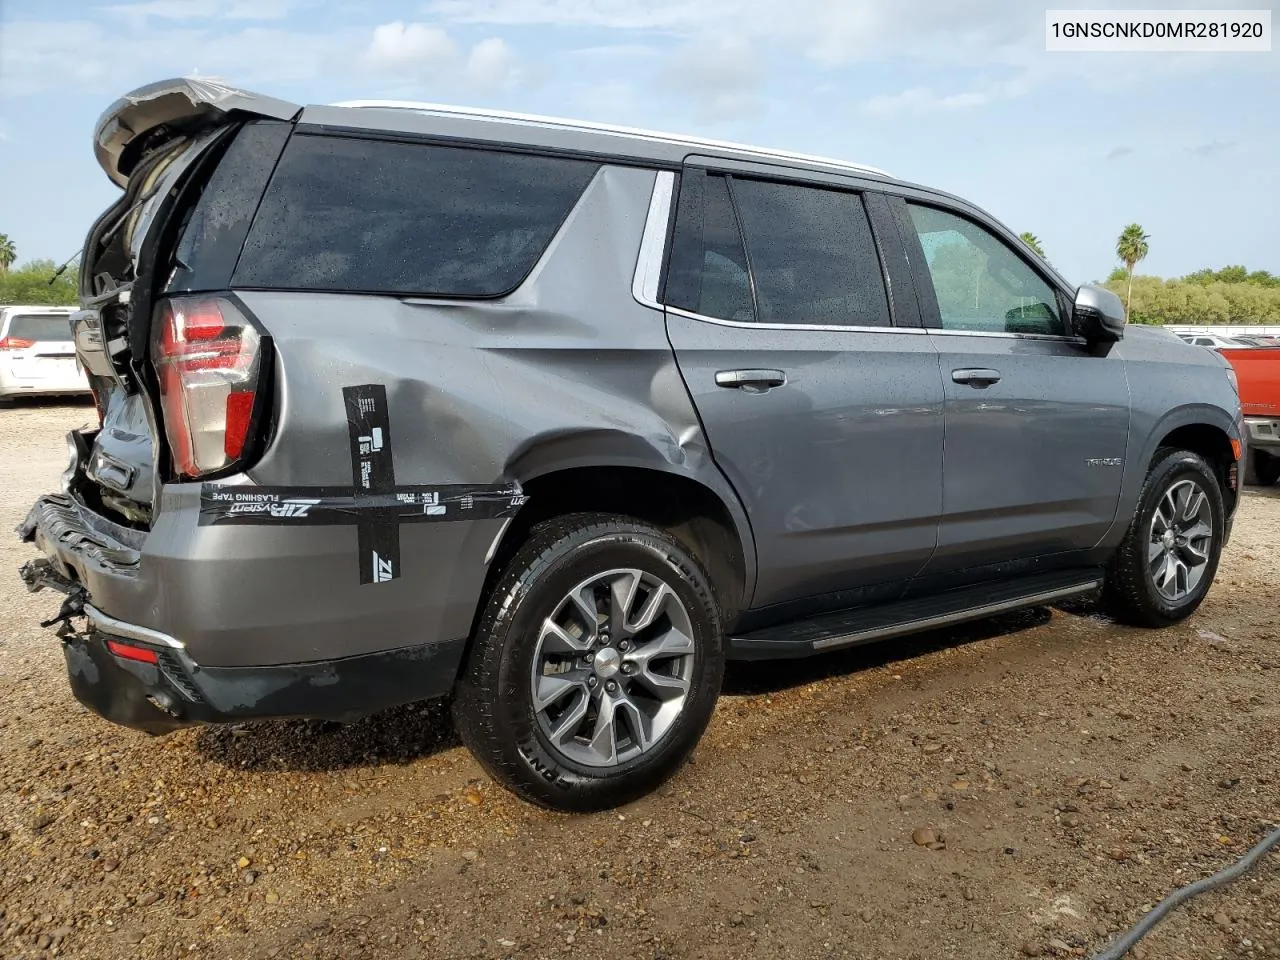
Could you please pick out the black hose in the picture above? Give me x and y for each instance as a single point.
(1179, 897)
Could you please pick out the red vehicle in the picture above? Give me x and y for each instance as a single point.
(1258, 371)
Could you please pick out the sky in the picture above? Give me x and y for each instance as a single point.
(957, 95)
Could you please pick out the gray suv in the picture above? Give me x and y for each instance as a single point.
(399, 401)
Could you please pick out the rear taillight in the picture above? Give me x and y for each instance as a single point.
(16, 343)
(208, 357)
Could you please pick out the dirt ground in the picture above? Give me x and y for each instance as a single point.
(1072, 772)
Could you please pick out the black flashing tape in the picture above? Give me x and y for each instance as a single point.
(336, 506)
(374, 504)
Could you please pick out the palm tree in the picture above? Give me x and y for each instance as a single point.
(8, 253)
(1032, 241)
(1131, 247)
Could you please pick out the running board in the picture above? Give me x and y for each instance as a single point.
(847, 628)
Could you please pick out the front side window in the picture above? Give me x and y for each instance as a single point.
(758, 251)
(980, 283)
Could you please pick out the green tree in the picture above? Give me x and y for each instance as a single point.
(8, 253)
(1132, 247)
(29, 284)
(1032, 241)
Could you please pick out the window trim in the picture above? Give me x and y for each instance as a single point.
(648, 284)
(930, 312)
(775, 175)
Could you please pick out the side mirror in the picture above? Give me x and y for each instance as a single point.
(1098, 314)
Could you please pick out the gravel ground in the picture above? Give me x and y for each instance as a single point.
(1022, 787)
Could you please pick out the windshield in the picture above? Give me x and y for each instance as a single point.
(40, 327)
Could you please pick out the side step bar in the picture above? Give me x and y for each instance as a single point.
(847, 628)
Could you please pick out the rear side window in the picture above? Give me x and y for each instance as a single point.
(41, 328)
(754, 250)
(354, 215)
(812, 255)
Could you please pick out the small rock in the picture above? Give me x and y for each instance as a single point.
(243, 863)
(1222, 920)
(967, 893)
(1032, 949)
(1060, 945)
(470, 855)
(866, 914)
(44, 942)
(249, 876)
(40, 821)
(147, 899)
(109, 866)
(1229, 783)
(1187, 768)
(923, 836)
(932, 747)
(272, 897)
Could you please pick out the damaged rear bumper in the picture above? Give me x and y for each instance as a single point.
(144, 678)
(175, 691)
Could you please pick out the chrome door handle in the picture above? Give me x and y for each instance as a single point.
(754, 381)
(977, 377)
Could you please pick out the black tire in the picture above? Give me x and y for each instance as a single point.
(1130, 594)
(493, 706)
(1266, 468)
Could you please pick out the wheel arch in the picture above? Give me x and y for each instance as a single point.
(617, 472)
(1206, 429)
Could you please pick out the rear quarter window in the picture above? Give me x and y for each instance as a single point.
(353, 215)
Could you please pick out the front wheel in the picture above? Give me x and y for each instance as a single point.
(1168, 558)
(596, 666)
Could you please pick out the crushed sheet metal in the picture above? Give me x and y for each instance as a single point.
(374, 504)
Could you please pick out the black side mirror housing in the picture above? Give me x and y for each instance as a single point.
(1098, 314)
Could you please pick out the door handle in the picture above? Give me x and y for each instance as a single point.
(753, 381)
(979, 377)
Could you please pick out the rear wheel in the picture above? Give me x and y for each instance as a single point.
(1168, 558)
(596, 666)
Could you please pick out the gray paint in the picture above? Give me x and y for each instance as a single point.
(867, 466)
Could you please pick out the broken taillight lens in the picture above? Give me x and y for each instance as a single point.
(208, 358)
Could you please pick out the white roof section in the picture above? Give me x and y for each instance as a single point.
(533, 120)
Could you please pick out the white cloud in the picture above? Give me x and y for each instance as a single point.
(720, 76)
(491, 63)
(416, 45)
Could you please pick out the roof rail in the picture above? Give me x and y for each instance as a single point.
(535, 120)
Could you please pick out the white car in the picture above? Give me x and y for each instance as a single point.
(1215, 341)
(37, 354)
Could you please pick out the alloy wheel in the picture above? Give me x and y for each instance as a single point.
(613, 668)
(1181, 540)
